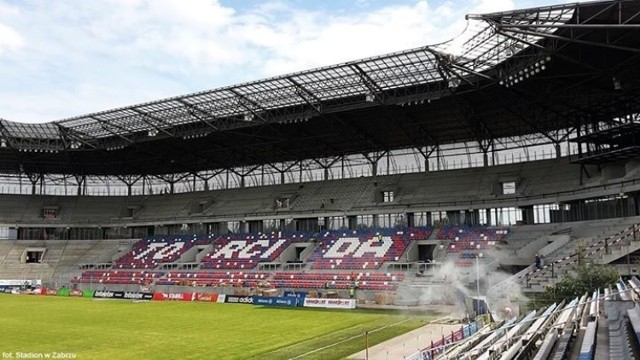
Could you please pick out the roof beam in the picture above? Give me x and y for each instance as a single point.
(537, 10)
(361, 134)
(203, 115)
(245, 102)
(555, 53)
(6, 136)
(571, 26)
(575, 40)
(374, 89)
(447, 71)
(106, 124)
(156, 119)
(67, 133)
(303, 92)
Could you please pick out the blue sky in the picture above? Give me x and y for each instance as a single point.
(65, 58)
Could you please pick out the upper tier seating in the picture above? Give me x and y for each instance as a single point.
(472, 233)
(471, 238)
(365, 281)
(363, 249)
(148, 253)
(245, 251)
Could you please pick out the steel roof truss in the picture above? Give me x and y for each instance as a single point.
(144, 116)
(374, 89)
(307, 96)
(106, 126)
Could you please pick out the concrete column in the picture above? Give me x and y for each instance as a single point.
(410, 219)
(527, 214)
(352, 222)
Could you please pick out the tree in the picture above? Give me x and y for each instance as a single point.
(585, 278)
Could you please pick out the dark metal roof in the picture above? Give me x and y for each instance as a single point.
(609, 156)
(609, 135)
(532, 71)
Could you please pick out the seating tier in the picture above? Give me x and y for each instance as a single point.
(116, 277)
(204, 278)
(149, 252)
(245, 251)
(365, 281)
(471, 238)
(362, 250)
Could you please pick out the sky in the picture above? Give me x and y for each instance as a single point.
(65, 58)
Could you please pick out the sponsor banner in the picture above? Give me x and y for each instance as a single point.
(458, 335)
(467, 331)
(20, 283)
(63, 292)
(222, 298)
(76, 293)
(162, 296)
(106, 294)
(39, 291)
(330, 303)
(206, 297)
(134, 295)
(275, 301)
(448, 340)
(437, 347)
(473, 327)
(87, 293)
(49, 292)
(130, 295)
(300, 295)
(233, 299)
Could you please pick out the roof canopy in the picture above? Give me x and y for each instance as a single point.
(492, 81)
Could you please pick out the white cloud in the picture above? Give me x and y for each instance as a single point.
(10, 40)
(86, 56)
(488, 6)
(337, 39)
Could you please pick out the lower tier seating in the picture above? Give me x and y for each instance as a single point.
(116, 277)
(204, 278)
(365, 281)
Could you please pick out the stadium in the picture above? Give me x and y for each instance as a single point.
(418, 197)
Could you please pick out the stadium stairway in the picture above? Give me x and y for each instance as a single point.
(60, 260)
(6, 247)
(13, 268)
(524, 242)
(78, 252)
(560, 261)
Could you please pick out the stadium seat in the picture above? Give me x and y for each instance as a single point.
(245, 251)
(362, 250)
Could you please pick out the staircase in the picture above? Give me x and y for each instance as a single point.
(599, 250)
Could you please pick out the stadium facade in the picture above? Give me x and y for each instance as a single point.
(528, 118)
(397, 175)
(536, 109)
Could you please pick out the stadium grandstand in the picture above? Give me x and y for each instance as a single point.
(444, 174)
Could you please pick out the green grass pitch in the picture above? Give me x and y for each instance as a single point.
(117, 329)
